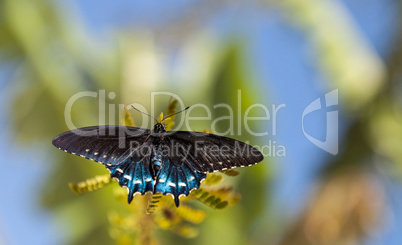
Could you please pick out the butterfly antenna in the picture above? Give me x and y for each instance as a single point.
(144, 113)
(175, 113)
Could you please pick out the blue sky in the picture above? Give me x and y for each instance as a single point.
(277, 51)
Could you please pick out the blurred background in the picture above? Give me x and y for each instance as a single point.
(288, 52)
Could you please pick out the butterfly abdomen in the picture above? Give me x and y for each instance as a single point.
(156, 161)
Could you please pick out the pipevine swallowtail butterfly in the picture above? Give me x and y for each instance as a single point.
(157, 161)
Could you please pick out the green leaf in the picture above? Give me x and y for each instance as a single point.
(125, 117)
(231, 172)
(91, 184)
(216, 198)
(171, 109)
(153, 203)
(212, 179)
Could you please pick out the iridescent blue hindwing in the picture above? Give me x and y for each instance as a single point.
(177, 180)
(134, 173)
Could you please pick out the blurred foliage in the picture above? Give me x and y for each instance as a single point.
(350, 203)
(92, 184)
(55, 59)
(340, 49)
(347, 207)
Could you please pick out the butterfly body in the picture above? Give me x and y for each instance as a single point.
(157, 161)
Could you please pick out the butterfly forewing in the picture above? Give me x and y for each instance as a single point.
(208, 153)
(105, 144)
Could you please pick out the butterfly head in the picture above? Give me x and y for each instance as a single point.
(160, 125)
(159, 128)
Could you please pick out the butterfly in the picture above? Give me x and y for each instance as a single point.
(157, 161)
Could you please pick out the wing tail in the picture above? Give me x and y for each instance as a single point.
(177, 181)
(133, 175)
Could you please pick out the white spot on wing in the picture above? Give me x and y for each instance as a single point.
(87, 150)
(161, 181)
(119, 170)
(104, 156)
(191, 178)
(127, 177)
(148, 180)
(172, 184)
(182, 184)
(137, 182)
(96, 153)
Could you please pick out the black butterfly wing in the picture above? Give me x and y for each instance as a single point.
(109, 145)
(126, 152)
(207, 153)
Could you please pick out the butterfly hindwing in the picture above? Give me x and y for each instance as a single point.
(134, 172)
(124, 151)
(177, 180)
